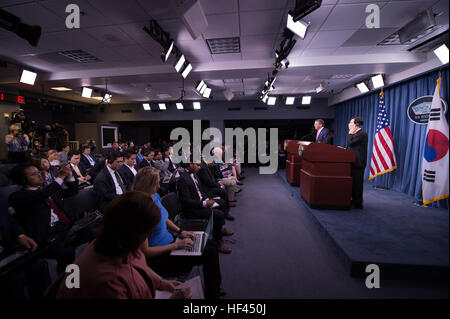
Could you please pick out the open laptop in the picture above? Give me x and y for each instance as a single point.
(200, 240)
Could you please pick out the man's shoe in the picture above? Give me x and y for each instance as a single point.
(357, 206)
(241, 177)
(238, 191)
(227, 232)
(229, 217)
(223, 249)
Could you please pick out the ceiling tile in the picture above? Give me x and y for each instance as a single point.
(351, 50)
(398, 13)
(222, 26)
(219, 7)
(253, 5)
(110, 36)
(330, 39)
(368, 37)
(261, 22)
(317, 17)
(195, 50)
(226, 57)
(318, 52)
(119, 11)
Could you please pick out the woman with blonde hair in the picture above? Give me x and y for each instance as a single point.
(162, 242)
(53, 157)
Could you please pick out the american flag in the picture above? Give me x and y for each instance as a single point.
(383, 155)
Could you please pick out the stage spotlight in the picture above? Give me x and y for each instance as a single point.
(197, 105)
(362, 87)
(377, 81)
(107, 98)
(207, 93)
(203, 89)
(28, 77)
(306, 99)
(200, 85)
(442, 54)
(290, 100)
(272, 100)
(12, 23)
(299, 27)
(264, 97)
(180, 63)
(187, 70)
(162, 106)
(166, 55)
(180, 106)
(146, 106)
(87, 93)
(303, 8)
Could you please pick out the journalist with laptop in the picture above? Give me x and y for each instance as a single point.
(162, 242)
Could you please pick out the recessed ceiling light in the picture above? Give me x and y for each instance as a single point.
(28, 77)
(306, 99)
(146, 106)
(362, 87)
(61, 89)
(180, 106)
(272, 100)
(87, 92)
(377, 81)
(197, 105)
(290, 100)
(442, 54)
(162, 106)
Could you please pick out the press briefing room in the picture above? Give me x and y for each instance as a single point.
(212, 152)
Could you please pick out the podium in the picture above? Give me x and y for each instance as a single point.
(293, 162)
(325, 176)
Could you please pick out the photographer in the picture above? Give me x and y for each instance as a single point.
(17, 143)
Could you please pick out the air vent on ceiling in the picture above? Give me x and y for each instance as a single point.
(224, 45)
(79, 56)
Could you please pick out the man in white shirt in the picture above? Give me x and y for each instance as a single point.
(86, 160)
(128, 170)
(109, 183)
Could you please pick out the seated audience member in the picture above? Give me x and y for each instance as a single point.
(228, 181)
(148, 155)
(196, 204)
(147, 146)
(79, 172)
(129, 169)
(63, 155)
(86, 160)
(36, 150)
(161, 242)
(39, 211)
(115, 147)
(109, 183)
(166, 175)
(214, 187)
(53, 158)
(139, 156)
(33, 275)
(172, 165)
(49, 173)
(113, 266)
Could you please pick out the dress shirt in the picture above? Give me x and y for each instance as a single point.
(112, 172)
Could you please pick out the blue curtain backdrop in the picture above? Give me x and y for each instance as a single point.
(409, 138)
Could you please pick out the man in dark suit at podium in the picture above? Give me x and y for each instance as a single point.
(322, 133)
(357, 141)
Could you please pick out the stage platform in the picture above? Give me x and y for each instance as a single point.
(405, 240)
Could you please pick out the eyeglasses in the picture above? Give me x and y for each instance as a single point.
(34, 174)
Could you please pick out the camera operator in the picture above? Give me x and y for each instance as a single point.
(17, 143)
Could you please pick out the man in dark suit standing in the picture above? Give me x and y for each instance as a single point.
(129, 169)
(109, 183)
(357, 141)
(196, 204)
(322, 133)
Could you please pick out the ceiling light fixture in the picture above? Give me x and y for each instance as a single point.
(187, 70)
(299, 27)
(180, 106)
(180, 63)
(290, 100)
(442, 53)
(377, 81)
(306, 100)
(28, 77)
(362, 87)
(61, 89)
(146, 106)
(87, 93)
(197, 105)
(272, 100)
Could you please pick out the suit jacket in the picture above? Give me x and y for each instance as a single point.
(358, 143)
(127, 176)
(82, 170)
(9, 228)
(144, 163)
(32, 211)
(104, 187)
(206, 177)
(163, 167)
(172, 166)
(84, 162)
(187, 192)
(324, 136)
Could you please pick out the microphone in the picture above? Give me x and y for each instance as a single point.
(310, 134)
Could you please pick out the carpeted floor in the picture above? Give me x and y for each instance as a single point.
(279, 253)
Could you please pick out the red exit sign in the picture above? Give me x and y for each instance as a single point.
(11, 98)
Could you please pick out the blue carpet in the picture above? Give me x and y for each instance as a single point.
(391, 230)
(278, 252)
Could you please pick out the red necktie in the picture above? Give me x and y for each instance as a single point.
(62, 217)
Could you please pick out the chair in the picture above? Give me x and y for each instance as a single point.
(172, 204)
(84, 201)
(5, 191)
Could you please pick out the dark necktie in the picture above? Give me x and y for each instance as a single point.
(119, 180)
(196, 186)
(61, 216)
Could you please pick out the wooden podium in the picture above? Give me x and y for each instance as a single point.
(293, 162)
(325, 180)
